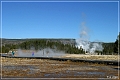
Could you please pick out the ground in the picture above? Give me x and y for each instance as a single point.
(52, 69)
(93, 57)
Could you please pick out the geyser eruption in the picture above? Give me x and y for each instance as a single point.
(83, 41)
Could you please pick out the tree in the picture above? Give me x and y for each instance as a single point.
(116, 45)
(41, 44)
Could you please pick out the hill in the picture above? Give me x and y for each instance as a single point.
(18, 41)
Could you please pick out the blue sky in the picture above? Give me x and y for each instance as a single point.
(60, 20)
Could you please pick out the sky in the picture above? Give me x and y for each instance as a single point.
(60, 20)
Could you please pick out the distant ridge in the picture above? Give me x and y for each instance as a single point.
(17, 41)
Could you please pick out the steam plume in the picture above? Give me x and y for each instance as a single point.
(84, 42)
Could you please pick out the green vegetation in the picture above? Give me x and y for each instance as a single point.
(117, 44)
(7, 47)
(111, 48)
(39, 44)
(42, 44)
(108, 48)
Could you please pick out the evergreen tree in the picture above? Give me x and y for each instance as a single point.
(117, 44)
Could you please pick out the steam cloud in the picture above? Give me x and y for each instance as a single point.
(84, 42)
(47, 52)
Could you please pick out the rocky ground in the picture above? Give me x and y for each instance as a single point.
(21, 68)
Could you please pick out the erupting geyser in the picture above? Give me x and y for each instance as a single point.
(84, 42)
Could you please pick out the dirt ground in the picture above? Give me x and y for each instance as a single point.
(21, 68)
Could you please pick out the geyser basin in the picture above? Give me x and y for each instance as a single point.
(45, 68)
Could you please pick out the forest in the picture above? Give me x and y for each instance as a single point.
(42, 44)
(108, 48)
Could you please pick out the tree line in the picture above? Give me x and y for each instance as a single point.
(42, 44)
(112, 48)
(108, 48)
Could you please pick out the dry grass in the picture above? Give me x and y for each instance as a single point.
(93, 57)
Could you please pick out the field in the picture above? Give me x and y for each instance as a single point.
(48, 69)
(93, 57)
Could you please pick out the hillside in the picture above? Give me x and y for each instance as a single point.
(18, 41)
